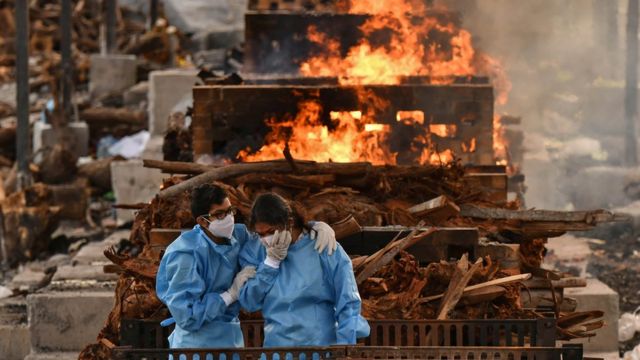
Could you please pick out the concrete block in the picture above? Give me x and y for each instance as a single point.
(166, 89)
(66, 321)
(83, 272)
(14, 342)
(136, 94)
(28, 278)
(13, 311)
(598, 296)
(153, 150)
(44, 136)
(53, 356)
(93, 253)
(112, 74)
(132, 184)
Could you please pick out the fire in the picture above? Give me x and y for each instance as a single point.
(400, 38)
(409, 51)
(500, 148)
(410, 117)
(444, 130)
(353, 137)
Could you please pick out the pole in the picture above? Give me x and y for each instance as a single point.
(111, 24)
(22, 92)
(153, 14)
(631, 96)
(67, 62)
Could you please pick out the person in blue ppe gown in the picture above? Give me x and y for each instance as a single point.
(301, 306)
(199, 277)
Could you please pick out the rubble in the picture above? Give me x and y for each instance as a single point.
(393, 284)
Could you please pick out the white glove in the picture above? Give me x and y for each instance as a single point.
(325, 238)
(277, 249)
(241, 278)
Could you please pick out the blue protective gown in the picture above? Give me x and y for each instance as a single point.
(194, 271)
(310, 300)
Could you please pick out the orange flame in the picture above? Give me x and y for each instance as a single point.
(353, 137)
(418, 41)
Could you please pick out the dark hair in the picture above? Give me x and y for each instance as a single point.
(204, 196)
(273, 209)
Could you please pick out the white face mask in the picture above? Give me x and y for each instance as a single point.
(222, 228)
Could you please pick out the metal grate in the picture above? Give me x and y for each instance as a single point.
(356, 352)
(540, 332)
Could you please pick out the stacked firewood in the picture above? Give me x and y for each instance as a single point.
(392, 283)
(44, 41)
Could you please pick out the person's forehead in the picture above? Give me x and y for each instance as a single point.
(260, 227)
(225, 205)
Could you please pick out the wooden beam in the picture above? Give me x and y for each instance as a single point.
(588, 217)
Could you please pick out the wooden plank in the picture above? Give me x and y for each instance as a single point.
(571, 282)
(588, 217)
(388, 253)
(457, 286)
(500, 281)
(435, 210)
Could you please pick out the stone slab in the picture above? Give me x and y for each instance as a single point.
(93, 252)
(83, 272)
(14, 342)
(167, 88)
(132, 184)
(44, 136)
(53, 356)
(66, 321)
(13, 311)
(112, 74)
(28, 278)
(598, 296)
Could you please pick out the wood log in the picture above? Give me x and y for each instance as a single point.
(482, 295)
(233, 170)
(384, 256)
(109, 117)
(500, 281)
(58, 165)
(457, 286)
(99, 172)
(435, 210)
(571, 282)
(346, 227)
(178, 167)
(287, 181)
(586, 217)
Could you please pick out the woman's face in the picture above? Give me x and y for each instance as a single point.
(264, 229)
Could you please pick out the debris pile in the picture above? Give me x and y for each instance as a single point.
(392, 282)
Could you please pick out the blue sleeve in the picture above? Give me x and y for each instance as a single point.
(351, 325)
(255, 290)
(181, 286)
(252, 252)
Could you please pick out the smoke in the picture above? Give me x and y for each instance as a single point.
(565, 60)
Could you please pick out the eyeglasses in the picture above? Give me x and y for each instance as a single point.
(221, 214)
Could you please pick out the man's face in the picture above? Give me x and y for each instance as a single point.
(220, 211)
